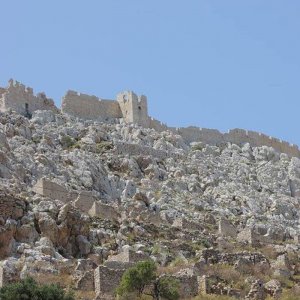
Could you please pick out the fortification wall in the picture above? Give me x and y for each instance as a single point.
(157, 125)
(21, 99)
(90, 107)
(133, 109)
(235, 136)
(208, 136)
(240, 136)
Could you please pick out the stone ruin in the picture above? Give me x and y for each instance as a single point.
(131, 109)
(108, 276)
(21, 99)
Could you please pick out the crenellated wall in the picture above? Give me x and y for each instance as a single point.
(90, 107)
(157, 125)
(236, 136)
(132, 109)
(21, 99)
(207, 136)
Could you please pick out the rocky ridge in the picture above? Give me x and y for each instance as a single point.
(76, 194)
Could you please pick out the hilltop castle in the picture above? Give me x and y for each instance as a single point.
(131, 109)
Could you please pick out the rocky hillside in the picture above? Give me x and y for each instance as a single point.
(80, 198)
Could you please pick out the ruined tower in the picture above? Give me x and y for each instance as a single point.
(134, 108)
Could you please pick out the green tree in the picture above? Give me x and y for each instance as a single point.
(167, 287)
(135, 280)
(29, 289)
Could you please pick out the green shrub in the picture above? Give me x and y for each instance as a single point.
(136, 278)
(168, 287)
(29, 289)
(142, 280)
(104, 146)
(67, 141)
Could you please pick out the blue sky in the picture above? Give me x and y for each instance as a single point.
(215, 64)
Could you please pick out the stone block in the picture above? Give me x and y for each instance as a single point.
(106, 281)
(50, 189)
(227, 229)
(188, 285)
(248, 236)
(86, 282)
(129, 256)
(185, 224)
(2, 277)
(103, 211)
(84, 201)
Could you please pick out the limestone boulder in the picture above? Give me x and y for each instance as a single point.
(27, 233)
(48, 227)
(83, 244)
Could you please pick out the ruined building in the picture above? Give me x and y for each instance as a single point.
(21, 99)
(129, 108)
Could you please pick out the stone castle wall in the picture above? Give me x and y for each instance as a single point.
(132, 109)
(207, 136)
(158, 126)
(239, 136)
(90, 107)
(236, 136)
(21, 99)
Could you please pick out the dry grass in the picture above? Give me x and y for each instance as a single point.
(292, 294)
(63, 280)
(226, 272)
(174, 267)
(213, 297)
(269, 252)
(85, 295)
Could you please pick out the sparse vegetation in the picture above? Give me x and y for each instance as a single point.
(30, 289)
(213, 297)
(142, 280)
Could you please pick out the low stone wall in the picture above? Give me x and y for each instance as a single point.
(188, 286)
(106, 281)
(215, 257)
